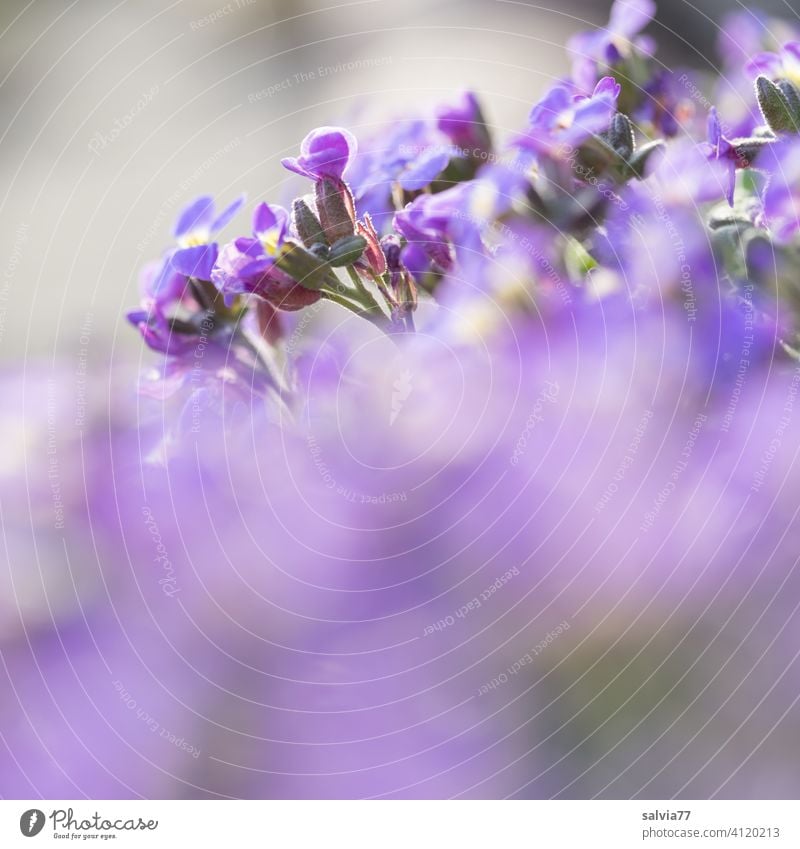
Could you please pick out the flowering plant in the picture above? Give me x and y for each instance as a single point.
(472, 469)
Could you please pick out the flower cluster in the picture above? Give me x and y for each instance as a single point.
(614, 186)
(483, 477)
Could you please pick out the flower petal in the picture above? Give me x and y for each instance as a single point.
(198, 214)
(226, 216)
(195, 262)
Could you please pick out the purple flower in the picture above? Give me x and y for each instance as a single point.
(242, 269)
(784, 64)
(563, 120)
(606, 46)
(410, 154)
(158, 332)
(463, 123)
(443, 228)
(197, 224)
(782, 195)
(720, 149)
(324, 152)
(248, 265)
(436, 227)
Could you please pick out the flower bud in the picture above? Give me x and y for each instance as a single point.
(620, 136)
(402, 283)
(307, 224)
(373, 259)
(336, 209)
(347, 251)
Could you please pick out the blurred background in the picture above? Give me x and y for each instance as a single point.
(116, 114)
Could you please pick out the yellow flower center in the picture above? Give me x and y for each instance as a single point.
(269, 242)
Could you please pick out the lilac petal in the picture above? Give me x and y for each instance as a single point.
(196, 262)
(714, 128)
(329, 150)
(257, 267)
(137, 317)
(267, 217)
(609, 87)
(647, 45)
(631, 16)
(594, 115)
(556, 101)
(426, 169)
(730, 186)
(292, 163)
(226, 216)
(325, 152)
(199, 213)
(768, 64)
(792, 49)
(248, 246)
(167, 285)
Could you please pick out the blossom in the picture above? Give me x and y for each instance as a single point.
(196, 225)
(562, 120)
(724, 151)
(407, 153)
(463, 123)
(606, 46)
(248, 265)
(324, 152)
(567, 425)
(781, 194)
(783, 64)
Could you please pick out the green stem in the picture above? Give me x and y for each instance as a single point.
(366, 297)
(375, 315)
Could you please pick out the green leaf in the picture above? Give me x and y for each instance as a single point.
(346, 251)
(641, 159)
(775, 107)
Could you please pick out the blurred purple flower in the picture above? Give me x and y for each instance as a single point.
(603, 47)
(563, 120)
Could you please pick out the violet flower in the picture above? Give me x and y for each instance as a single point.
(722, 150)
(463, 123)
(783, 64)
(324, 152)
(562, 120)
(196, 226)
(598, 50)
(248, 265)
